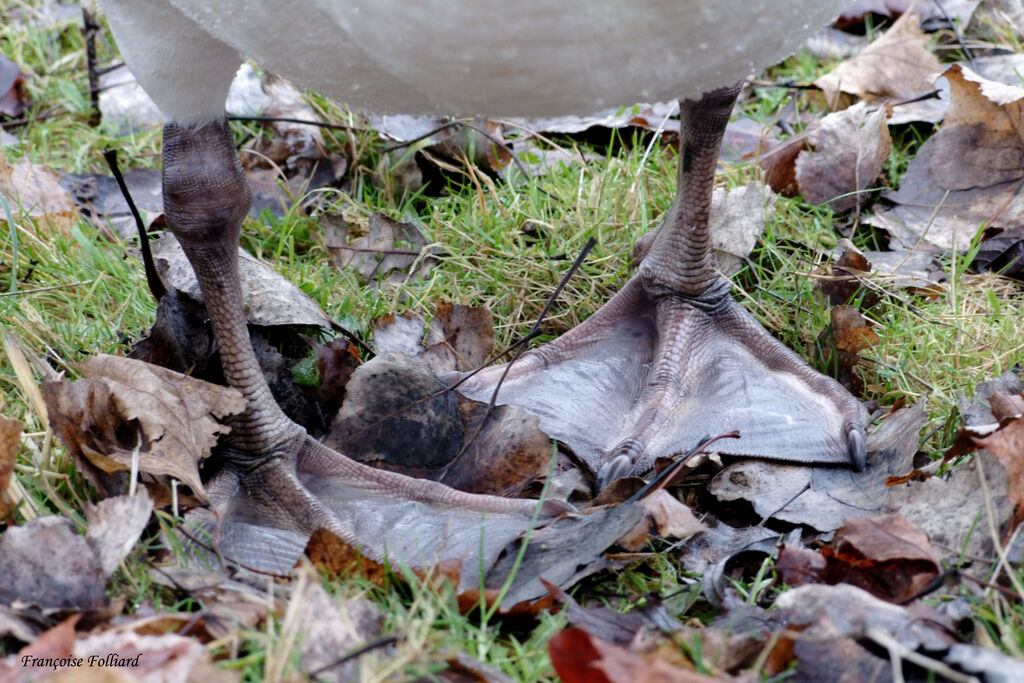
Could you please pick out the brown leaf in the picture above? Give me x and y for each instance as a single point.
(888, 556)
(122, 404)
(37, 191)
(850, 330)
(669, 517)
(779, 165)
(330, 629)
(1007, 444)
(968, 173)
(797, 566)
(56, 642)
(844, 276)
(468, 331)
(336, 361)
(385, 253)
(504, 456)
(331, 554)
(579, 657)
(847, 151)
(46, 563)
(897, 65)
(10, 439)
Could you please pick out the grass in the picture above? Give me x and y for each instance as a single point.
(66, 294)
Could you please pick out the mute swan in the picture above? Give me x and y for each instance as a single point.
(681, 357)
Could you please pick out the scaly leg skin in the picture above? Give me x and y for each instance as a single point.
(672, 357)
(279, 485)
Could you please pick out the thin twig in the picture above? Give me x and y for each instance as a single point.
(156, 285)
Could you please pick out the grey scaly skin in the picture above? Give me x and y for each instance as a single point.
(672, 357)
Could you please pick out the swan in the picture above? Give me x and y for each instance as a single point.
(669, 358)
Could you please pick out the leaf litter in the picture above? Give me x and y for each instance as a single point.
(860, 529)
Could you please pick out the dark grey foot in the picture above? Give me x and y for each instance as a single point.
(279, 485)
(672, 359)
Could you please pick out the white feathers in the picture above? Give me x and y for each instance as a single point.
(526, 58)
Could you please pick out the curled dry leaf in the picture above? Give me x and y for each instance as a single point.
(897, 66)
(666, 516)
(966, 175)
(887, 556)
(847, 150)
(122, 405)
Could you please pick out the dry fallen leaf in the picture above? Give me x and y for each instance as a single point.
(37, 191)
(269, 299)
(847, 151)
(122, 405)
(46, 563)
(896, 66)
(330, 629)
(115, 525)
(665, 514)
(467, 331)
(966, 175)
(579, 657)
(384, 254)
(888, 556)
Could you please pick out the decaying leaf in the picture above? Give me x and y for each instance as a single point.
(1002, 251)
(100, 199)
(968, 174)
(124, 409)
(669, 517)
(847, 150)
(579, 657)
(46, 563)
(115, 525)
(269, 299)
(328, 629)
(887, 556)
(466, 331)
(897, 66)
(385, 253)
(851, 334)
(37, 190)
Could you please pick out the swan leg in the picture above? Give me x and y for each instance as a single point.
(672, 358)
(279, 485)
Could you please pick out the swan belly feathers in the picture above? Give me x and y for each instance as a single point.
(530, 58)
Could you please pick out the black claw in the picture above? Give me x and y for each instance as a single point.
(857, 449)
(616, 468)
